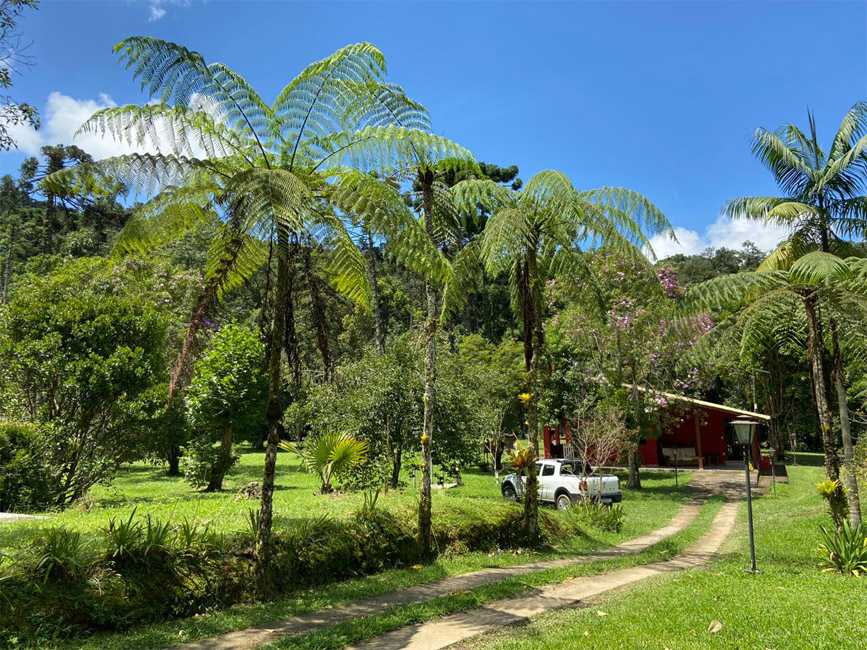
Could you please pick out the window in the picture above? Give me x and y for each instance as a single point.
(547, 470)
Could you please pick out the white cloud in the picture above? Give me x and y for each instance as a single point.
(61, 118)
(722, 233)
(158, 7)
(157, 12)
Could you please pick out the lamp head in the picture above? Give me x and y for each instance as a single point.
(745, 430)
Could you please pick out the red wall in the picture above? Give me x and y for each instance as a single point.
(713, 441)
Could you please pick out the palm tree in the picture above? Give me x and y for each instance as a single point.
(814, 284)
(825, 205)
(538, 232)
(262, 169)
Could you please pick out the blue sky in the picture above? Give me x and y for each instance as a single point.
(658, 97)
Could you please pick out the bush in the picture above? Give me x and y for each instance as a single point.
(226, 397)
(145, 570)
(845, 550)
(597, 515)
(25, 482)
(80, 348)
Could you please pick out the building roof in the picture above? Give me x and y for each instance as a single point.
(705, 405)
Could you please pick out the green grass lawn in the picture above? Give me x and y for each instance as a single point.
(148, 489)
(151, 492)
(790, 605)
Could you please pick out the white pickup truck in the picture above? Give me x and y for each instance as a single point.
(564, 482)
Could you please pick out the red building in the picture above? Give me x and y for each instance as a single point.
(697, 433)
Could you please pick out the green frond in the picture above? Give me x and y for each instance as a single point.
(345, 262)
(466, 269)
(268, 199)
(732, 290)
(852, 128)
(384, 104)
(851, 216)
(845, 175)
(507, 235)
(471, 193)
(319, 101)
(752, 207)
(395, 149)
(818, 268)
(631, 212)
(233, 258)
(788, 165)
(179, 76)
(167, 217)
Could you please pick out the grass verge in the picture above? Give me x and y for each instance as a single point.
(791, 604)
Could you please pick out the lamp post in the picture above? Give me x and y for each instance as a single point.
(745, 430)
(773, 453)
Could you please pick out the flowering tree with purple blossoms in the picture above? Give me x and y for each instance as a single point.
(621, 346)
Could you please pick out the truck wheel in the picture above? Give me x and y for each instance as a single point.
(509, 493)
(564, 502)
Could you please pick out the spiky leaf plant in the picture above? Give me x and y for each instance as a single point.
(329, 455)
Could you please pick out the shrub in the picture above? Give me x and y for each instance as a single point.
(845, 550)
(62, 555)
(24, 477)
(226, 396)
(80, 349)
(597, 515)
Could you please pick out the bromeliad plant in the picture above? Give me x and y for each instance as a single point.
(329, 455)
(845, 550)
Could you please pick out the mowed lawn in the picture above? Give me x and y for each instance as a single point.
(791, 605)
(147, 489)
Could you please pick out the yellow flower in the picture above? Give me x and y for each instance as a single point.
(527, 422)
(417, 566)
(525, 398)
(424, 438)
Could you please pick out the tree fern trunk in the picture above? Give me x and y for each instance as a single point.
(531, 493)
(815, 345)
(272, 415)
(320, 314)
(845, 429)
(379, 333)
(430, 334)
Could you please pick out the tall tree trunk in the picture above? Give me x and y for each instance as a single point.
(173, 456)
(845, 428)
(531, 493)
(320, 313)
(379, 333)
(7, 266)
(273, 414)
(223, 459)
(396, 463)
(815, 351)
(430, 334)
(633, 480)
(290, 333)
